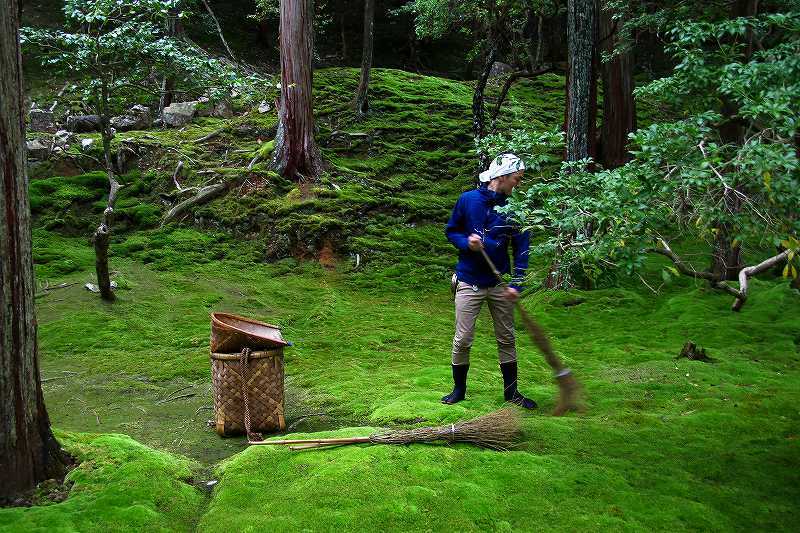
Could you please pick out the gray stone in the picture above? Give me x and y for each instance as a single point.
(499, 68)
(38, 150)
(41, 120)
(222, 109)
(63, 138)
(137, 118)
(83, 123)
(179, 114)
(86, 143)
(264, 107)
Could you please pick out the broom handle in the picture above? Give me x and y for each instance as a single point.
(347, 440)
(536, 332)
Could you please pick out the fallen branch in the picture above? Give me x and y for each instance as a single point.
(205, 194)
(175, 175)
(172, 399)
(210, 136)
(48, 288)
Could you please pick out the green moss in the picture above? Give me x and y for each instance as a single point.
(120, 485)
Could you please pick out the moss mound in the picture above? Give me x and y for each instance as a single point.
(120, 485)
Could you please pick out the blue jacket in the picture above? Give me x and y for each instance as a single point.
(474, 213)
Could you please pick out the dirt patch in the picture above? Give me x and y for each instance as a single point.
(327, 257)
(47, 492)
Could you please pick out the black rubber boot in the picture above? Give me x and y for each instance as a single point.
(510, 392)
(460, 384)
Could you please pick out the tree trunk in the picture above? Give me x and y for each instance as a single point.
(619, 107)
(362, 100)
(29, 453)
(478, 119)
(343, 37)
(581, 49)
(297, 155)
(173, 28)
(102, 234)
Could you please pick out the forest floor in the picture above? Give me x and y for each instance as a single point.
(665, 443)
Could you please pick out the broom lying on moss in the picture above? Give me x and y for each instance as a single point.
(499, 430)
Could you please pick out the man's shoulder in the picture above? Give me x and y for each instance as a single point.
(470, 196)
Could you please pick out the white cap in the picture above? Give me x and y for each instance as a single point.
(501, 165)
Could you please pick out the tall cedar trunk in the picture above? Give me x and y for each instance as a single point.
(29, 453)
(297, 155)
(581, 78)
(581, 102)
(726, 257)
(102, 234)
(619, 107)
(478, 118)
(362, 99)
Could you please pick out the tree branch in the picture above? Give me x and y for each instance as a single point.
(682, 267)
(507, 85)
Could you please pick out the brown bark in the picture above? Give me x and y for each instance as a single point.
(297, 155)
(362, 100)
(619, 107)
(29, 453)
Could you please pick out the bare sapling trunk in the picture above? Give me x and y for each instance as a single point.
(297, 155)
(29, 453)
(102, 234)
(173, 29)
(362, 99)
(478, 115)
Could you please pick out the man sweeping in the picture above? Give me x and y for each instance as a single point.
(473, 225)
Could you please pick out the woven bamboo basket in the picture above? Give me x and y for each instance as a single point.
(262, 385)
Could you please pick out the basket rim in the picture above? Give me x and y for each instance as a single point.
(261, 354)
(217, 323)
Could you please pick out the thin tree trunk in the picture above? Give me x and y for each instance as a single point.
(297, 155)
(343, 37)
(478, 119)
(362, 99)
(29, 453)
(619, 107)
(539, 42)
(102, 234)
(173, 28)
(219, 30)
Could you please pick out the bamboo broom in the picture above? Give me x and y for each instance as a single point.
(568, 386)
(499, 430)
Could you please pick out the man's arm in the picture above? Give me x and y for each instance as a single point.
(455, 227)
(520, 244)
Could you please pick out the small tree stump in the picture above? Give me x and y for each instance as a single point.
(694, 353)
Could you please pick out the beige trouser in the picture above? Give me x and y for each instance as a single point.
(468, 306)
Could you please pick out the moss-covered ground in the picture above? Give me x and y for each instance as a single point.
(665, 444)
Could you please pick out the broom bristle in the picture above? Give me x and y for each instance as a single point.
(569, 397)
(499, 430)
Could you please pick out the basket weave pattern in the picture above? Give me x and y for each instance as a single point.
(264, 388)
